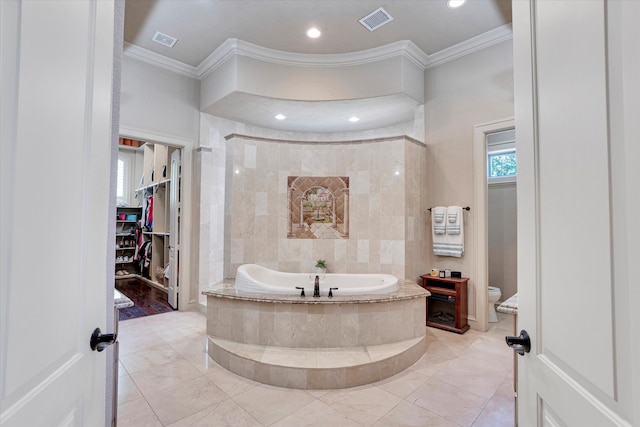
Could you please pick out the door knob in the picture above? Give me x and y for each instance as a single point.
(101, 341)
(521, 344)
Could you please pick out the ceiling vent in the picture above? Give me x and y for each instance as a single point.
(376, 19)
(164, 39)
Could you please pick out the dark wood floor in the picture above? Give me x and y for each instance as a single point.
(147, 299)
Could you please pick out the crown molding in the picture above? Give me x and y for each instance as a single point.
(159, 60)
(218, 57)
(482, 41)
(404, 48)
(231, 47)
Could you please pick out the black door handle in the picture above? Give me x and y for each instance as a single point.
(521, 344)
(101, 341)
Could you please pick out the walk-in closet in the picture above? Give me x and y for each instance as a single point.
(148, 215)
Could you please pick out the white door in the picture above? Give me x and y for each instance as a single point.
(174, 229)
(577, 92)
(56, 76)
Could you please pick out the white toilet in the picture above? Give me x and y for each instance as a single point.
(494, 296)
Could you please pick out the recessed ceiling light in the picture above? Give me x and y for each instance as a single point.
(455, 3)
(280, 117)
(314, 33)
(164, 39)
(353, 119)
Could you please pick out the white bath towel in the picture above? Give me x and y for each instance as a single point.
(437, 219)
(450, 244)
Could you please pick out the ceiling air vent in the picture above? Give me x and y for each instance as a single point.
(376, 19)
(164, 39)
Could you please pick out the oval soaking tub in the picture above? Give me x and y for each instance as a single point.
(258, 279)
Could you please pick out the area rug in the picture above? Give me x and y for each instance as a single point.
(147, 300)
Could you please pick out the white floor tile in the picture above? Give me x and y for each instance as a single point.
(166, 378)
(404, 383)
(316, 414)
(137, 413)
(269, 404)
(224, 414)
(145, 359)
(185, 399)
(408, 415)
(453, 403)
(365, 405)
(127, 390)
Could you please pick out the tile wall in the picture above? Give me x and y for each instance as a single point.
(364, 251)
(387, 212)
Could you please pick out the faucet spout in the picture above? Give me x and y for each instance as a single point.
(316, 288)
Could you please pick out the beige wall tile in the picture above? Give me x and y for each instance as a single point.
(258, 210)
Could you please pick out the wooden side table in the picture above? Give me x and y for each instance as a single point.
(447, 305)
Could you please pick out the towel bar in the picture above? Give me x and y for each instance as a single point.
(466, 208)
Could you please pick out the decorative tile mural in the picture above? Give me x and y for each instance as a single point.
(318, 207)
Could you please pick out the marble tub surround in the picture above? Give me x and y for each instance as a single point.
(317, 368)
(227, 289)
(510, 306)
(293, 321)
(316, 343)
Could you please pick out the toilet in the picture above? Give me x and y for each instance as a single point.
(494, 296)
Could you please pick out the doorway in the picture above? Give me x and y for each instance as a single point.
(148, 224)
(481, 264)
(501, 216)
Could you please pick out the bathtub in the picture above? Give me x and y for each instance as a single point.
(314, 343)
(257, 279)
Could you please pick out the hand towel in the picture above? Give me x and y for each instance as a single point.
(437, 219)
(454, 215)
(450, 244)
(438, 213)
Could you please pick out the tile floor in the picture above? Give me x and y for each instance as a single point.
(167, 379)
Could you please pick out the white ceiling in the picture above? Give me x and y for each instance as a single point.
(201, 26)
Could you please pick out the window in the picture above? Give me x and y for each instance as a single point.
(502, 163)
(123, 181)
(501, 157)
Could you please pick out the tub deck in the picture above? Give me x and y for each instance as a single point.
(226, 289)
(316, 343)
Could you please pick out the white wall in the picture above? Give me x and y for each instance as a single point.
(159, 101)
(474, 89)
(161, 106)
(321, 83)
(502, 238)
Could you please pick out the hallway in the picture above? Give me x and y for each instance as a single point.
(167, 379)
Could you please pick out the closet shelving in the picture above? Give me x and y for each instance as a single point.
(154, 195)
(126, 223)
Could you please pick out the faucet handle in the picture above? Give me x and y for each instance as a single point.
(302, 290)
(331, 293)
